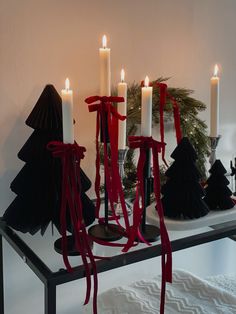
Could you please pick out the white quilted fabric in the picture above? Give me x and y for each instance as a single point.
(187, 294)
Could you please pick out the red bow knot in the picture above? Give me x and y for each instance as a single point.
(145, 142)
(104, 104)
(60, 149)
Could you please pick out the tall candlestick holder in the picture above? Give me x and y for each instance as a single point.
(121, 161)
(150, 233)
(214, 140)
(106, 231)
(68, 245)
(72, 250)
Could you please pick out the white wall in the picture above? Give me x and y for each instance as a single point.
(45, 41)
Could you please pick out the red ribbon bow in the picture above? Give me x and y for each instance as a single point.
(106, 111)
(144, 143)
(71, 155)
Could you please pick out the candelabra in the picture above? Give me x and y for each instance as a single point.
(214, 140)
(121, 161)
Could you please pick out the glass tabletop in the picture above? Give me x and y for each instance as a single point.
(43, 246)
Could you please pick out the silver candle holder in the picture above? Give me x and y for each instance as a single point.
(121, 161)
(214, 140)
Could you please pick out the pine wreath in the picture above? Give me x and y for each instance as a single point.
(192, 126)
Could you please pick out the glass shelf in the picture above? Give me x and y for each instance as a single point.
(214, 217)
(38, 253)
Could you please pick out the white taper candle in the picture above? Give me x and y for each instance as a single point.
(105, 68)
(214, 132)
(67, 114)
(146, 109)
(122, 109)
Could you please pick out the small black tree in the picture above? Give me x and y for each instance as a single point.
(182, 193)
(38, 184)
(218, 195)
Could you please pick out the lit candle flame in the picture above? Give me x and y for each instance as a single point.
(122, 75)
(67, 84)
(146, 81)
(216, 70)
(104, 41)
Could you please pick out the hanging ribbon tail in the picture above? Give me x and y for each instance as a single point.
(163, 88)
(117, 181)
(145, 143)
(165, 242)
(103, 106)
(63, 216)
(135, 232)
(157, 191)
(97, 164)
(176, 112)
(137, 217)
(71, 155)
(163, 91)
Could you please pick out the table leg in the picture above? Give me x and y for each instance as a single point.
(50, 298)
(1, 279)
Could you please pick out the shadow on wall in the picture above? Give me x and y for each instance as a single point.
(17, 135)
(11, 164)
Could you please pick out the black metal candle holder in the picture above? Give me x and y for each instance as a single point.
(106, 231)
(121, 161)
(71, 248)
(214, 140)
(150, 233)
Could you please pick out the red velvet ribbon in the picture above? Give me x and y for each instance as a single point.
(164, 94)
(71, 155)
(104, 108)
(176, 112)
(144, 143)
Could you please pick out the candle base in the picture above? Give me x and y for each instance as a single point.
(106, 232)
(150, 233)
(214, 140)
(71, 248)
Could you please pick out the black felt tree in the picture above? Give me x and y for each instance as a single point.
(38, 184)
(218, 195)
(182, 193)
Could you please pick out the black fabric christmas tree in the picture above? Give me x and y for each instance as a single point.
(218, 195)
(182, 193)
(38, 184)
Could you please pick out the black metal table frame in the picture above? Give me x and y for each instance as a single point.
(52, 279)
